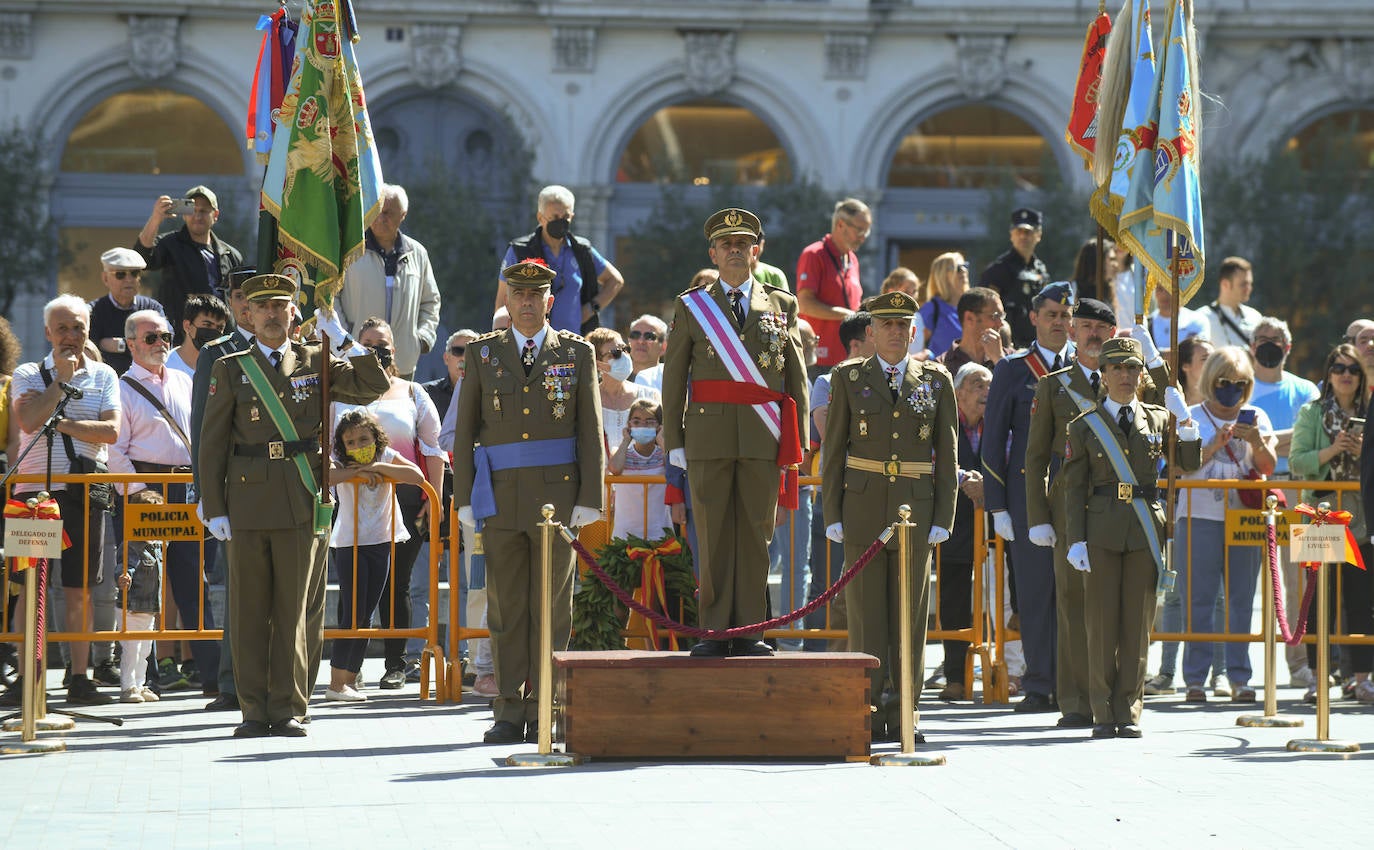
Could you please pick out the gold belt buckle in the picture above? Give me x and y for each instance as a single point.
(276, 450)
(1123, 491)
(892, 467)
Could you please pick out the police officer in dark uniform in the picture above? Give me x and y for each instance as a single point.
(1018, 274)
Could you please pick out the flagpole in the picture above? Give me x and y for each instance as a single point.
(1171, 473)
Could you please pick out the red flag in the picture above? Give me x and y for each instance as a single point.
(1081, 133)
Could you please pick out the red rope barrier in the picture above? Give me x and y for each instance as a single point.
(1289, 636)
(627, 599)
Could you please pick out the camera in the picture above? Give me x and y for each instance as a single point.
(183, 206)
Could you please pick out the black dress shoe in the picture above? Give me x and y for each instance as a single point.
(223, 702)
(1034, 703)
(711, 649)
(252, 729)
(1128, 730)
(745, 646)
(504, 732)
(894, 736)
(1104, 730)
(1074, 720)
(532, 732)
(289, 728)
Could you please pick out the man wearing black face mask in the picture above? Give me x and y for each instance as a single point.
(203, 319)
(584, 282)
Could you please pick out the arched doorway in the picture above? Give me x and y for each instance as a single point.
(703, 141)
(1353, 128)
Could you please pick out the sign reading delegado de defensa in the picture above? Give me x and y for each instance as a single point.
(162, 522)
(33, 538)
(1246, 528)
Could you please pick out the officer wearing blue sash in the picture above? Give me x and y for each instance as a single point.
(1115, 521)
(527, 432)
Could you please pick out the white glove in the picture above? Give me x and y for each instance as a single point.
(835, 531)
(465, 516)
(938, 535)
(219, 527)
(1147, 346)
(1188, 433)
(678, 458)
(200, 513)
(583, 516)
(1173, 399)
(1001, 523)
(1042, 535)
(327, 321)
(1078, 557)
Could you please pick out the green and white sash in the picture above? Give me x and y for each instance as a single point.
(324, 511)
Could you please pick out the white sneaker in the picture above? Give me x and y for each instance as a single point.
(148, 694)
(131, 695)
(344, 694)
(485, 686)
(1220, 687)
(1364, 691)
(1301, 678)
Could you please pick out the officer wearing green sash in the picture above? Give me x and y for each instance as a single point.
(1115, 520)
(256, 497)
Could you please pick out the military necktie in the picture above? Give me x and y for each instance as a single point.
(737, 306)
(1058, 364)
(527, 356)
(276, 360)
(894, 381)
(1097, 384)
(1123, 419)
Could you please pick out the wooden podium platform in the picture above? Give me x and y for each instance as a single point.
(631, 704)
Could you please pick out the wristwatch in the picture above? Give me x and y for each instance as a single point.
(120, 344)
(596, 308)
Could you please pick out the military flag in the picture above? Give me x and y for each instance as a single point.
(1128, 86)
(270, 76)
(1081, 134)
(1163, 209)
(323, 174)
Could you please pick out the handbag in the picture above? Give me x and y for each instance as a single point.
(1254, 499)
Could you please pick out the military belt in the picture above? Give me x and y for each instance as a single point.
(278, 449)
(899, 468)
(1126, 492)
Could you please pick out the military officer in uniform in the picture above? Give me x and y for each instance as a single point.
(527, 433)
(1018, 274)
(890, 437)
(253, 497)
(1116, 524)
(734, 405)
(1060, 397)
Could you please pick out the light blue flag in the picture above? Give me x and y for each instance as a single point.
(1136, 136)
(1164, 199)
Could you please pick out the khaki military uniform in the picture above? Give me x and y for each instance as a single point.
(1119, 591)
(499, 405)
(732, 464)
(866, 427)
(1051, 411)
(276, 563)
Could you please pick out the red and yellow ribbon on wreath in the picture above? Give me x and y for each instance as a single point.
(651, 582)
(1352, 546)
(46, 509)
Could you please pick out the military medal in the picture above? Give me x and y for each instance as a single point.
(853, 374)
(560, 410)
(863, 427)
(496, 401)
(925, 432)
(710, 351)
(253, 414)
(243, 379)
(485, 353)
(763, 360)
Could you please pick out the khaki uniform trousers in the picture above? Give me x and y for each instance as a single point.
(314, 615)
(1071, 650)
(514, 616)
(734, 502)
(270, 575)
(873, 602)
(1120, 597)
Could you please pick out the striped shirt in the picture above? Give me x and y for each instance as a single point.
(100, 388)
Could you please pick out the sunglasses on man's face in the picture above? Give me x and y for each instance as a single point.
(457, 350)
(651, 336)
(153, 338)
(135, 274)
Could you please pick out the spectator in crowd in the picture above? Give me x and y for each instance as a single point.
(154, 438)
(1353, 330)
(828, 287)
(765, 273)
(955, 581)
(1086, 281)
(141, 583)
(617, 391)
(903, 279)
(1363, 340)
(203, 320)
(789, 552)
(640, 508)
(444, 391)
(10, 350)
(980, 339)
(1328, 446)
(121, 270)
(90, 425)
(1190, 322)
(1236, 439)
(944, 287)
(648, 341)
(1018, 275)
(584, 282)
(366, 476)
(411, 423)
(393, 281)
(565, 467)
(191, 259)
(1230, 320)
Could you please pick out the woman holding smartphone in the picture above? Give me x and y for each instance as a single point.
(1236, 438)
(1326, 447)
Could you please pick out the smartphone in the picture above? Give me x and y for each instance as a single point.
(1246, 417)
(1355, 426)
(183, 206)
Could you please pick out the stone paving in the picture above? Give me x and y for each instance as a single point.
(396, 771)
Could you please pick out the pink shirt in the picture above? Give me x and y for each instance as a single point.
(144, 434)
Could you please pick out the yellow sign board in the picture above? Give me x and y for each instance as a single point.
(1246, 528)
(162, 522)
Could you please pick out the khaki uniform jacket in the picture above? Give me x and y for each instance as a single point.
(258, 492)
(864, 422)
(498, 404)
(1051, 412)
(715, 430)
(1105, 521)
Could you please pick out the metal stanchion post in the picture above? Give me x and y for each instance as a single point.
(907, 757)
(546, 757)
(1270, 717)
(1322, 743)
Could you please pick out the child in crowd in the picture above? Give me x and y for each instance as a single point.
(640, 508)
(141, 584)
(369, 522)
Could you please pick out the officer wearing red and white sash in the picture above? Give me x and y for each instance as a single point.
(734, 403)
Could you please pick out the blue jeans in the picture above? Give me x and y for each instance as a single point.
(1206, 544)
(1171, 620)
(789, 555)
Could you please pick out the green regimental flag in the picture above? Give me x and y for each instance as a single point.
(323, 173)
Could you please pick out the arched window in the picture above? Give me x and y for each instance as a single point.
(968, 147)
(1350, 127)
(152, 131)
(420, 133)
(701, 142)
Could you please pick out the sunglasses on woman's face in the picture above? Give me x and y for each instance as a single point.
(1228, 382)
(1345, 368)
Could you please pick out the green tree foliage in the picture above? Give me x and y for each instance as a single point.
(29, 244)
